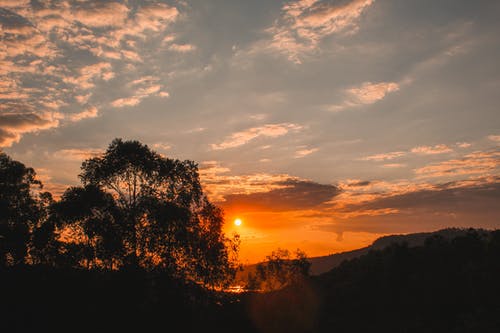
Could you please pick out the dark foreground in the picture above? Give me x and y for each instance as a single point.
(442, 286)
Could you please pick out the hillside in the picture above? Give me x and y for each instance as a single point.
(443, 285)
(323, 264)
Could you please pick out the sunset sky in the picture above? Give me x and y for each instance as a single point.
(322, 125)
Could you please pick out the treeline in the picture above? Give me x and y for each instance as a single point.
(444, 285)
(135, 210)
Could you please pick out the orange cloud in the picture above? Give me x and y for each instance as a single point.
(394, 165)
(75, 154)
(218, 183)
(495, 138)
(367, 93)
(304, 152)
(128, 101)
(476, 163)
(95, 14)
(271, 130)
(432, 150)
(370, 93)
(90, 112)
(384, 156)
(182, 48)
(13, 125)
(304, 23)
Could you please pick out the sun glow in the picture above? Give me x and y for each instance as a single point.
(238, 222)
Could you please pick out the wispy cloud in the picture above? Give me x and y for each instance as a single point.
(483, 163)
(162, 146)
(270, 130)
(90, 112)
(384, 156)
(394, 165)
(143, 88)
(39, 43)
(365, 94)
(304, 152)
(182, 48)
(104, 14)
(304, 23)
(76, 154)
(494, 138)
(432, 150)
(463, 144)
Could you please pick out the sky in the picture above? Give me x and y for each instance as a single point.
(322, 125)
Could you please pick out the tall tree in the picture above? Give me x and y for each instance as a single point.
(19, 209)
(168, 223)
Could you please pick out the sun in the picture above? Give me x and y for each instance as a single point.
(238, 222)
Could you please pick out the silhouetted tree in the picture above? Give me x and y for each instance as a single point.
(19, 209)
(279, 270)
(91, 218)
(44, 244)
(167, 222)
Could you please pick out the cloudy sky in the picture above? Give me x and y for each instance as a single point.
(321, 124)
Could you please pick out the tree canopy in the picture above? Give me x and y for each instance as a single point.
(136, 209)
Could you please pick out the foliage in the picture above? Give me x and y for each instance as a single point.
(279, 270)
(19, 209)
(136, 210)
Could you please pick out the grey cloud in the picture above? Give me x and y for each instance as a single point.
(296, 195)
(444, 206)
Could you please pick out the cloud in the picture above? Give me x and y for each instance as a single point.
(304, 152)
(13, 125)
(270, 130)
(146, 90)
(100, 14)
(432, 150)
(218, 183)
(13, 3)
(304, 24)
(494, 138)
(54, 56)
(75, 154)
(128, 101)
(155, 16)
(88, 74)
(384, 156)
(403, 206)
(90, 112)
(475, 163)
(367, 93)
(182, 48)
(293, 195)
(463, 144)
(162, 146)
(394, 165)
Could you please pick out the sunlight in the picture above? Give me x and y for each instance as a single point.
(238, 222)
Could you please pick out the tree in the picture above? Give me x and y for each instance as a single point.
(167, 223)
(92, 218)
(19, 209)
(280, 270)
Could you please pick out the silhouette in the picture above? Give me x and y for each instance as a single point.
(20, 209)
(279, 270)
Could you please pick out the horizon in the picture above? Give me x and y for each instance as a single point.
(320, 125)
